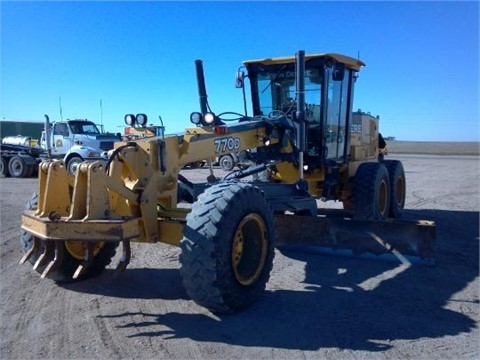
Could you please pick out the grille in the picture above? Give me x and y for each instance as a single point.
(106, 145)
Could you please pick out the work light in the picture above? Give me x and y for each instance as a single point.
(195, 118)
(142, 119)
(209, 118)
(130, 119)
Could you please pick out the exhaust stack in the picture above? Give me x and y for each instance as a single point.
(47, 136)
(202, 91)
(300, 113)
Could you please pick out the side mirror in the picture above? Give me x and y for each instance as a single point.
(239, 79)
(338, 72)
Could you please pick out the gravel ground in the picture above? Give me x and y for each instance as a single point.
(315, 306)
(433, 148)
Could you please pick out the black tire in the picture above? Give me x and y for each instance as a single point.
(371, 192)
(398, 190)
(73, 163)
(26, 239)
(4, 168)
(17, 167)
(195, 165)
(31, 170)
(103, 254)
(226, 162)
(228, 247)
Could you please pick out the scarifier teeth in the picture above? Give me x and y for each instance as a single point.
(52, 265)
(46, 254)
(80, 270)
(33, 250)
(86, 263)
(125, 260)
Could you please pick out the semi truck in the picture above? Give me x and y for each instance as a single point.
(74, 141)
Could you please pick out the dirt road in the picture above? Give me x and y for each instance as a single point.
(316, 306)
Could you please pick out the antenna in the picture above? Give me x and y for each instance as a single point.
(60, 106)
(101, 112)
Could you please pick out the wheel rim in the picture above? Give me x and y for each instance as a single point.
(78, 249)
(16, 167)
(73, 166)
(249, 249)
(227, 163)
(383, 198)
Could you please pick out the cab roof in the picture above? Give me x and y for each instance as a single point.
(350, 62)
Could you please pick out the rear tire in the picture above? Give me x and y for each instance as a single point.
(228, 247)
(17, 167)
(4, 168)
(103, 254)
(31, 170)
(396, 175)
(371, 192)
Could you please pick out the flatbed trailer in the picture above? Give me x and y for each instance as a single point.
(19, 160)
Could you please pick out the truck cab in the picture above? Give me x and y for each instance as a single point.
(76, 141)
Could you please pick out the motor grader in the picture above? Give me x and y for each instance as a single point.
(307, 146)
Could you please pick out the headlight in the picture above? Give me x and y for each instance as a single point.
(209, 118)
(141, 119)
(130, 119)
(195, 118)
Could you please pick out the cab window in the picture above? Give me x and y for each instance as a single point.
(337, 106)
(60, 129)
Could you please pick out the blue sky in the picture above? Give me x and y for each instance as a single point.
(422, 73)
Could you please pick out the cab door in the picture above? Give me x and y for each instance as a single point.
(61, 139)
(337, 113)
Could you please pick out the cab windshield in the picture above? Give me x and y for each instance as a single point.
(277, 92)
(327, 103)
(83, 127)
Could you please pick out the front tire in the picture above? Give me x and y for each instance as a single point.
(227, 163)
(228, 247)
(26, 239)
(72, 254)
(73, 164)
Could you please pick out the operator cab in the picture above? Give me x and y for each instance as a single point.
(329, 80)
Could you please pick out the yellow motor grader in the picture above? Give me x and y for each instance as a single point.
(306, 146)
